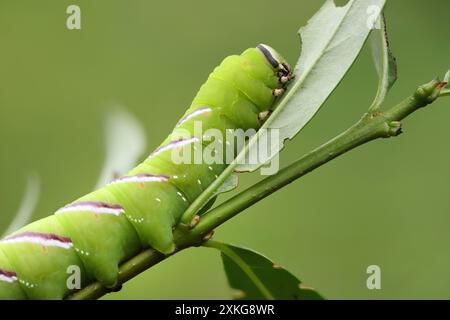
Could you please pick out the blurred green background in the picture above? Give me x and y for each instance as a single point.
(386, 203)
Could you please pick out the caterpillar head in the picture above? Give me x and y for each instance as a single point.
(276, 61)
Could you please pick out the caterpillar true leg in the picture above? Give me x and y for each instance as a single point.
(262, 116)
(278, 92)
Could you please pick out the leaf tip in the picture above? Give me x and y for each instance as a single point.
(447, 77)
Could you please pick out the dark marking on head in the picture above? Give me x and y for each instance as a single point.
(286, 67)
(266, 52)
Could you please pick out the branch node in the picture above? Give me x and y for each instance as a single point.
(395, 128)
(428, 92)
(375, 114)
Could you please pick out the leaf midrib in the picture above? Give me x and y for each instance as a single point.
(229, 252)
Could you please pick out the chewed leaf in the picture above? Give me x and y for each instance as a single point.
(27, 205)
(331, 42)
(385, 63)
(252, 276)
(121, 127)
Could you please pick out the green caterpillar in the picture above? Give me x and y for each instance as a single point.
(110, 225)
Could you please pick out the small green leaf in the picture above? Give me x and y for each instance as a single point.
(446, 91)
(447, 77)
(385, 63)
(252, 276)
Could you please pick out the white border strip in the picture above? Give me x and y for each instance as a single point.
(91, 209)
(40, 241)
(193, 114)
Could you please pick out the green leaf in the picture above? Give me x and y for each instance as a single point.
(385, 63)
(332, 40)
(252, 276)
(447, 77)
(446, 91)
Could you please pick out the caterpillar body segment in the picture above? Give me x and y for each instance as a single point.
(41, 255)
(230, 71)
(10, 288)
(179, 163)
(238, 113)
(152, 205)
(99, 231)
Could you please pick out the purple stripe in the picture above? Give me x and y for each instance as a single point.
(7, 273)
(43, 236)
(193, 114)
(173, 143)
(97, 204)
